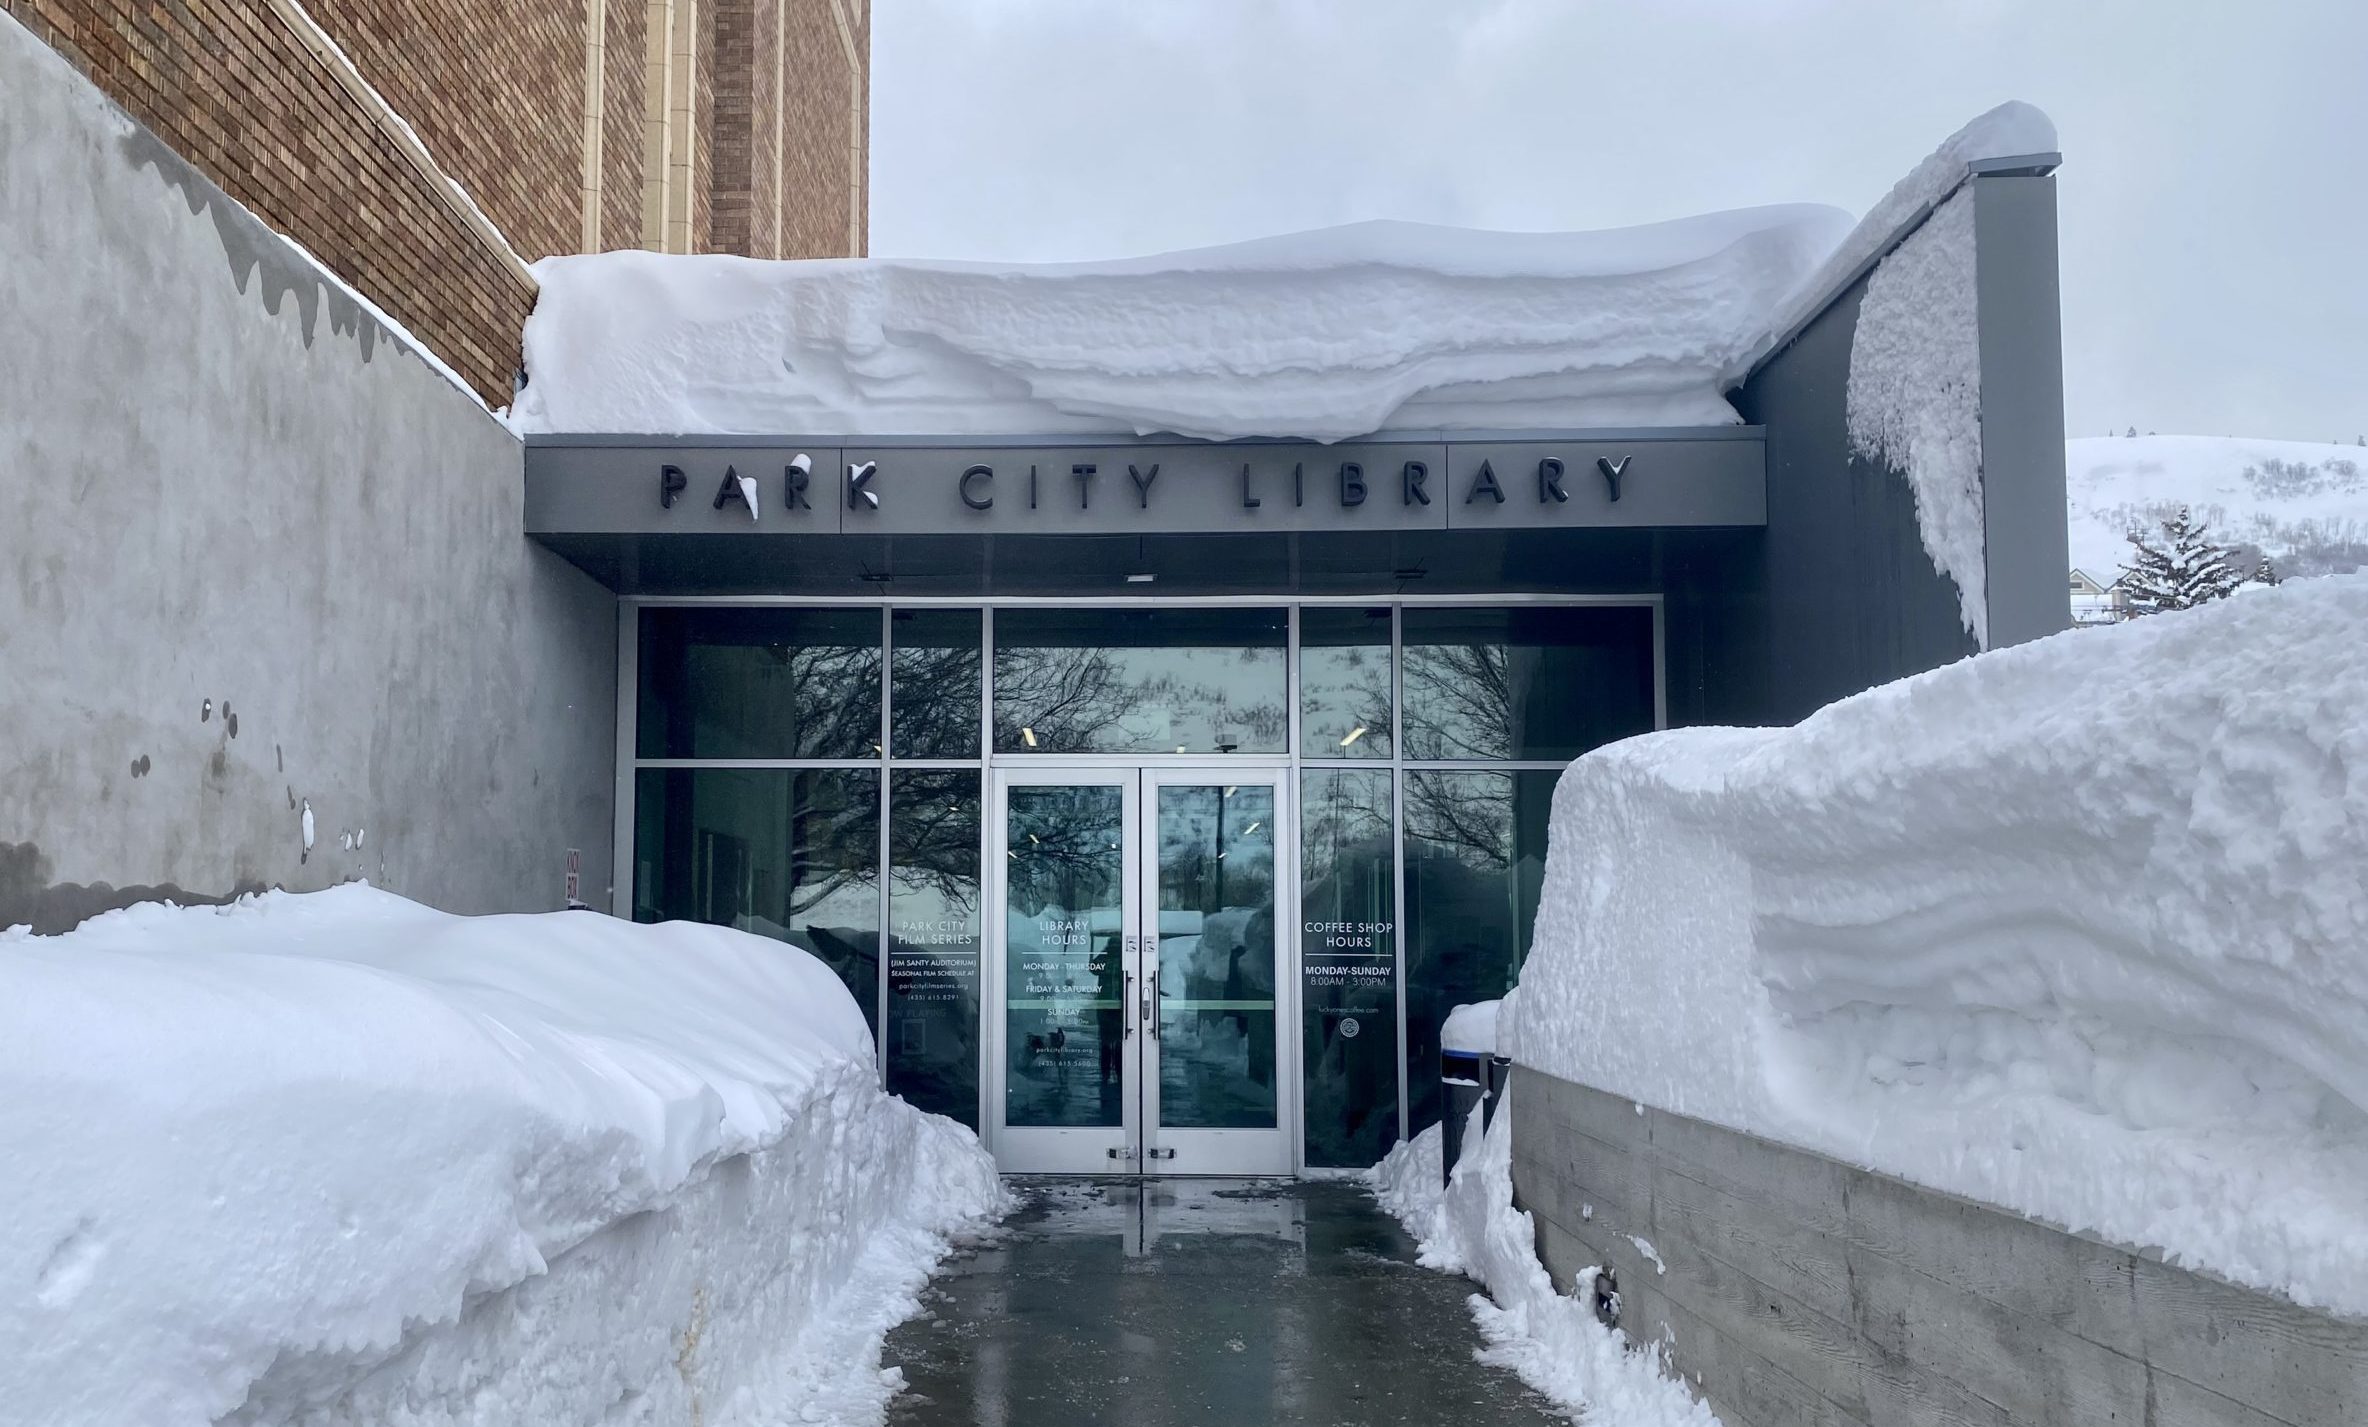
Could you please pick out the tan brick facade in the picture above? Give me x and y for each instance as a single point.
(299, 111)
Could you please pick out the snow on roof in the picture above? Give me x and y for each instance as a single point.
(2012, 130)
(1321, 335)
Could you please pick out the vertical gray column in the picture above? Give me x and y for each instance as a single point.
(2022, 357)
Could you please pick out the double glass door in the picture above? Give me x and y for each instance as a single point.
(1140, 981)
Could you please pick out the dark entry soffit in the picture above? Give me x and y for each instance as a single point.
(1653, 478)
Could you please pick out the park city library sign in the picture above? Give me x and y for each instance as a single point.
(653, 485)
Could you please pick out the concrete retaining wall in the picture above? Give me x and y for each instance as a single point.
(257, 557)
(1799, 1290)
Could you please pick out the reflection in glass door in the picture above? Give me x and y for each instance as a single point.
(1143, 977)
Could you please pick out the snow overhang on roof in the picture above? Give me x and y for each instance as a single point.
(1321, 336)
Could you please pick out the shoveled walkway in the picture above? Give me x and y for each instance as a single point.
(1111, 1303)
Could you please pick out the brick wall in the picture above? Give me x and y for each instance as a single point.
(495, 90)
(231, 87)
(735, 152)
(495, 93)
(621, 117)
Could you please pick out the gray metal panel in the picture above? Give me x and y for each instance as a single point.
(1847, 598)
(2022, 356)
(1128, 490)
(1661, 483)
(621, 490)
(576, 440)
(924, 486)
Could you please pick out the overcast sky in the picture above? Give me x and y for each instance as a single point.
(2214, 195)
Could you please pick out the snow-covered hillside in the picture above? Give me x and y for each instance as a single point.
(2078, 927)
(339, 1158)
(2303, 503)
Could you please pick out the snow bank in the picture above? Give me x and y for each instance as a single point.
(1321, 335)
(1553, 1342)
(2079, 928)
(339, 1158)
(2302, 503)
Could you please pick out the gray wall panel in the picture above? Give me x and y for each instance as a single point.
(2022, 346)
(1851, 599)
(258, 556)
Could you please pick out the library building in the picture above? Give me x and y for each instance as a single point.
(1157, 795)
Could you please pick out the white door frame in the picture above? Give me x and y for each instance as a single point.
(1139, 1144)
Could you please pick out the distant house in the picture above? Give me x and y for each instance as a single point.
(2093, 603)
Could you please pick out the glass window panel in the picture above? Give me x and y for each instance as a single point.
(933, 943)
(1348, 954)
(933, 709)
(1215, 850)
(1141, 681)
(759, 683)
(1475, 857)
(1064, 917)
(789, 854)
(1344, 683)
(1529, 684)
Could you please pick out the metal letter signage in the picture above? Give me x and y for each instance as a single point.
(1698, 477)
(1410, 479)
(984, 479)
(1612, 471)
(1352, 484)
(1485, 484)
(1550, 481)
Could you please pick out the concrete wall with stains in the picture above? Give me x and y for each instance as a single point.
(257, 559)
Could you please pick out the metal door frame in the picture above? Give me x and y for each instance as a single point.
(1136, 1144)
(1273, 1151)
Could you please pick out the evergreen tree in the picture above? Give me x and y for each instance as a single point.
(2186, 570)
(2266, 574)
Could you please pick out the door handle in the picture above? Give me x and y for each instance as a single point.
(1130, 995)
(1151, 1006)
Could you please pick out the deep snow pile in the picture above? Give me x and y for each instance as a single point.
(339, 1158)
(1551, 1340)
(2302, 503)
(1320, 335)
(2078, 927)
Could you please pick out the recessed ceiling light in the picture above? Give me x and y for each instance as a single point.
(1141, 578)
(1353, 735)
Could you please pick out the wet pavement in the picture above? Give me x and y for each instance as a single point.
(1244, 1302)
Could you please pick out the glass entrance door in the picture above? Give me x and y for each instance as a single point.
(1142, 975)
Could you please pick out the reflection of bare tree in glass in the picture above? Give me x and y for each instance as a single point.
(1075, 700)
(933, 829)
(1467, 815)
(934, 713)
(1065, 846)
(773, 700)
(1460, 700)
(1342, 687)
(1068, 698)
(833, 839)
